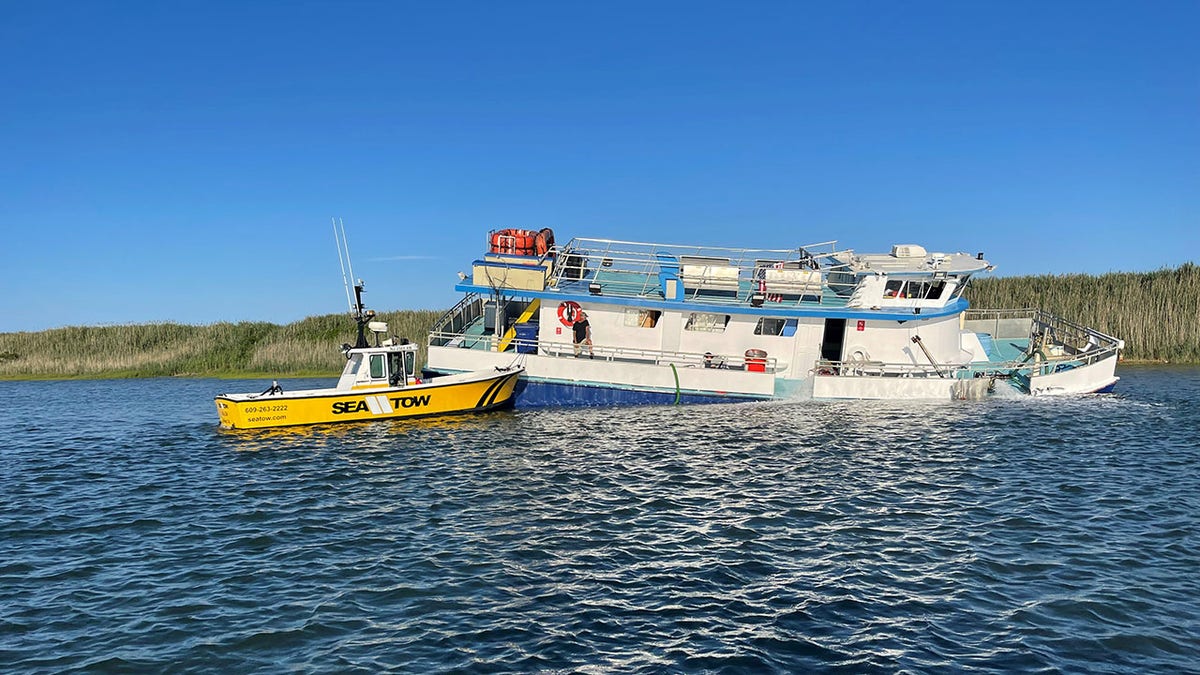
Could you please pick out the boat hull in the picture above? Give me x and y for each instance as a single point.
(533, 393)
(466, 393)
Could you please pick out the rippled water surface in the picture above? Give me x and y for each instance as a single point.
(1014, 535)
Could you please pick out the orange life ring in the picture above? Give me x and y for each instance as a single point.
(568, 311)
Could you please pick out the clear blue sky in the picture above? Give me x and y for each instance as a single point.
(181, 160)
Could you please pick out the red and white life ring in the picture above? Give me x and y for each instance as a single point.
(568, 311)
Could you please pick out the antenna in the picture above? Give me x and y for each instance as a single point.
(347, 243)
(342, 263)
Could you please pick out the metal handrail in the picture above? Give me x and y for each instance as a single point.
(641, 261)
(464, 310)
(562, 349)
(1047, 322)
(1027, 366)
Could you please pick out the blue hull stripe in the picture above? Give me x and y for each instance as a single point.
(542, 394)
(534, 394)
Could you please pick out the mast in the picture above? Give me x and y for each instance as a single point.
(361, 316)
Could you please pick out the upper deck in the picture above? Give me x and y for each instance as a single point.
(816, 275)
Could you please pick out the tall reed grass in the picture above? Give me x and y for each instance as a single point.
(305, 347)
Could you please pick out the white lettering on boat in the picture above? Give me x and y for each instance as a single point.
(380, 404)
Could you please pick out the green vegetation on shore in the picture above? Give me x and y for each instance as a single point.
(308, 347)
(1156, 313)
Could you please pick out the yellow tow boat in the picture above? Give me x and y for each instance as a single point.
(378, 383)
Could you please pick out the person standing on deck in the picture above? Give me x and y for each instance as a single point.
(583, 335)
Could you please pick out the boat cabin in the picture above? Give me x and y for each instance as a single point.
(390, 364)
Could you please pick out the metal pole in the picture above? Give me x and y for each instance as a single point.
(917, 339)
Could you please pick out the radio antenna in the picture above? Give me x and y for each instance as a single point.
(346, 242)
(343, 258)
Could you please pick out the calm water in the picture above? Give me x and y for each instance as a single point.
(1024, 535)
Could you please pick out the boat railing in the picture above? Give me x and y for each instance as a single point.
(717, 274)
(453, 324)
(1055, 345)
(1042, 328)
(1003, 369)
(855, 368)
(563, 349)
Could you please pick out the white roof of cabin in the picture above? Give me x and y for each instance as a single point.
(951, 263)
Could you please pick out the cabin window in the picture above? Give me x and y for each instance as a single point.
(962, 286)
(920, 290)
(707, 323)
(410, 363)
(769, 326)
(642, 318)
(926, 290)
(376, 366)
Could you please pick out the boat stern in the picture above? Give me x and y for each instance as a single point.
(236, 413)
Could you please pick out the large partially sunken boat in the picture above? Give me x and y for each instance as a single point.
(693, 324)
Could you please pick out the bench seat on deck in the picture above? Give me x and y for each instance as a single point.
(792, 282)
(789, 279)
(699, 273)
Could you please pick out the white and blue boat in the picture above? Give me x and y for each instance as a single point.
(698, 324)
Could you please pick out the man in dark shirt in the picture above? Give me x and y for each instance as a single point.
(583, 334)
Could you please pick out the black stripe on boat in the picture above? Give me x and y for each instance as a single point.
(490, 391)
(503, 381)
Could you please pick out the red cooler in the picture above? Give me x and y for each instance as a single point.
(756, 360)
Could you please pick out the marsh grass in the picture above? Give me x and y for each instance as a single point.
(305, 347)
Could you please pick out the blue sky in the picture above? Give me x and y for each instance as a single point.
(180, 161)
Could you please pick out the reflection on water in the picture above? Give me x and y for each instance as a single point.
(1000, 535)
